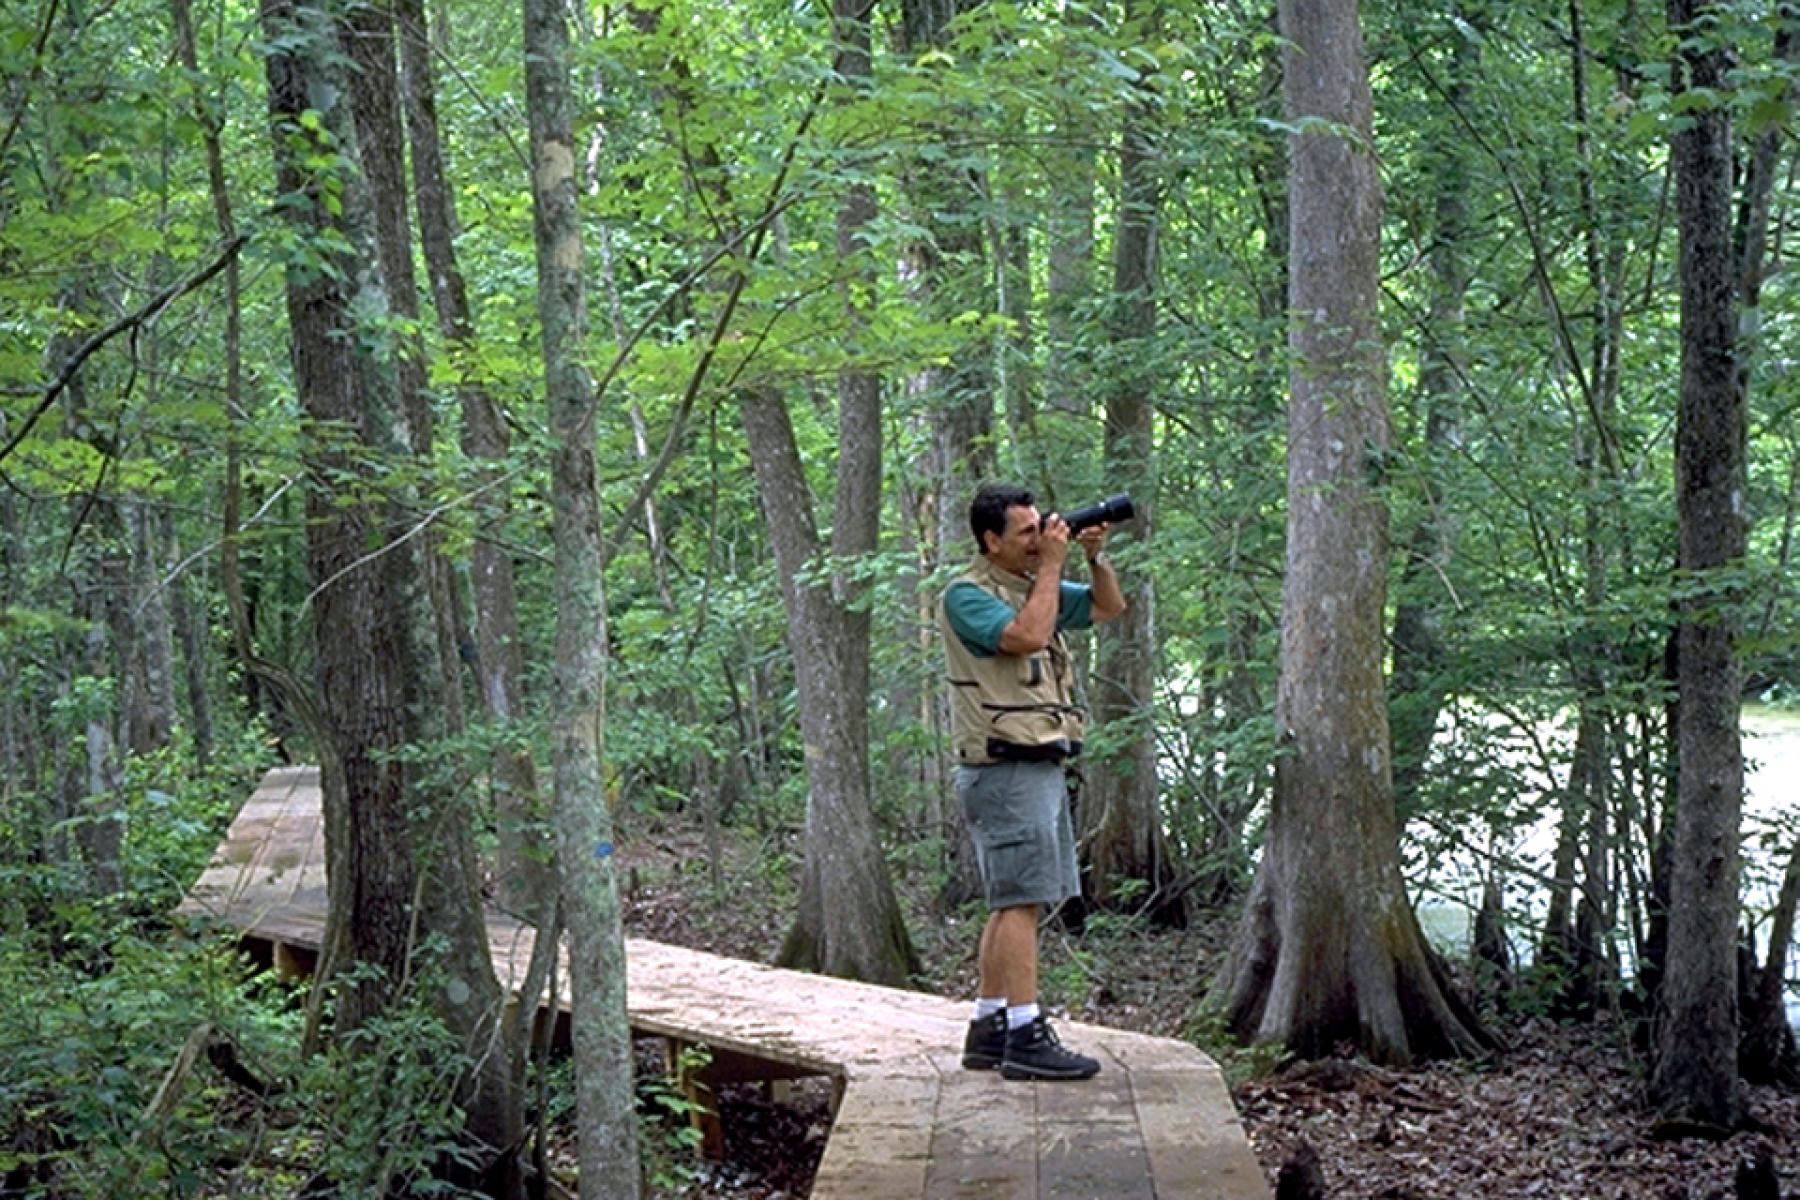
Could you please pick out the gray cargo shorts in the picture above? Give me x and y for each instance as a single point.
(1018, 814)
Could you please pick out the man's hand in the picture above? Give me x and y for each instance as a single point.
(1109, 601)
(1053, 545)
(1093, 539)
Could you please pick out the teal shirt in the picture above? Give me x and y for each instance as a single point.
(979, 617)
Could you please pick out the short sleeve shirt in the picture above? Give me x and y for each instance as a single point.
(979, 617)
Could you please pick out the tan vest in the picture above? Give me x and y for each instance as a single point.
(1022, 705)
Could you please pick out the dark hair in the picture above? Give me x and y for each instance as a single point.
(987, 511)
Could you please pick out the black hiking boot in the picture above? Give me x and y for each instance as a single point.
(1033, 1052)
(985, 1043)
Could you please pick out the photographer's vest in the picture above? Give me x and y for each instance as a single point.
(1009, 706)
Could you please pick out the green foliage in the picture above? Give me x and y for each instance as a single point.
(670, 1139)
(93, 1025)
(379, 1105)
(1206, 1028)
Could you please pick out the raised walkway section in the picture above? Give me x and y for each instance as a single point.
(911, 1124)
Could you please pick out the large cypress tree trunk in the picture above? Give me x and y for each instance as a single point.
(1329, 950)
(1695, 1076)
(605, 1114)
(1121, 811)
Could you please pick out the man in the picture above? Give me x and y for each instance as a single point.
(1014, 721)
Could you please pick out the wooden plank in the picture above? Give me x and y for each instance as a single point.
(1104, 1161)
(984, 1142)
(880, 1143)
(1192, 1137)
(1104, 1099)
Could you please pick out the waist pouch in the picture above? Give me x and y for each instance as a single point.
(1053, 751)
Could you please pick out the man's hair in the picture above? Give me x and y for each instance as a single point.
(987, 511)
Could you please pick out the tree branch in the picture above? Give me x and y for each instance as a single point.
(143, 315)
(37, 68)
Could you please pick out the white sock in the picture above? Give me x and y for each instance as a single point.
(987, 1006)
(1020, 1014)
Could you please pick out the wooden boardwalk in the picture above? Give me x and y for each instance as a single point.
(911, 1124)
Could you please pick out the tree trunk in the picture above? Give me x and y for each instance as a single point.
(1416, 691)
(97, 799)
(605, 1112)
(1594, 979)
(849, 922)
(1768, 1053)
(1011, 253)
(417, 586)
(1329, 950)
(947, 275)
(1492, 953)
(368, 37)
(189, 610)
(1069, 250)
(1122, 815)
(154, 722)
(358, 648)
(527, 881)
(14, 777)
(1695, 1075)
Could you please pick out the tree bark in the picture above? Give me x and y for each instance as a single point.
(1769, 1053)
(947, 274)
(368, 37)
(849, 920)
(188, 608)
(527, 880)
(1329, 950)
(1416, 691)
(1122, 814)
(472, 1005)
(1069, 283)
(96, 797)
(605, 1113)
(1695, 1077)
(15, 777)
(153, 725)
(358, 646)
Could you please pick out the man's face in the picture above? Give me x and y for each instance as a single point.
(1017, 549)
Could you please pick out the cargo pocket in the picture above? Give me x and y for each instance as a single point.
(1011, 868)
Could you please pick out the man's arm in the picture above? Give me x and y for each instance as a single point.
(1035, 624)
(1108, 599)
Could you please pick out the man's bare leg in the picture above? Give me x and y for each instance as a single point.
(1009, 955)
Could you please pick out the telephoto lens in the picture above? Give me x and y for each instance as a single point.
(1111, 510)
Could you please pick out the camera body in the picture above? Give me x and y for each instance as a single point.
(1111, 510)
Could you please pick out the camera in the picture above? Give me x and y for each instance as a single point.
(1111, 510)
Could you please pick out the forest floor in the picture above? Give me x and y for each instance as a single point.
(1558, 1114)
